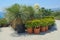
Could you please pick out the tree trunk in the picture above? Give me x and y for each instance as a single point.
(20, 28)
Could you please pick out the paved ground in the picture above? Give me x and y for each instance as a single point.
(8, 34)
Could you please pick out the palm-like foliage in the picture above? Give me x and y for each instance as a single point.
(28, 13)
(31, 12)
(14, 10)
(19, 14)
(14, 14)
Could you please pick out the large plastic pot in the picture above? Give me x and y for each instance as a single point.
(20, 28)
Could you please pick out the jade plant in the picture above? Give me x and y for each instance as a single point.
(51, 21)
(29, 27)
(36, 23)
(43, 23)
(28, 24)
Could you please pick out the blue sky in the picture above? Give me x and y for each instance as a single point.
(43, 3)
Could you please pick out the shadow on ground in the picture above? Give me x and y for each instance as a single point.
(20, 34)
(52, 29)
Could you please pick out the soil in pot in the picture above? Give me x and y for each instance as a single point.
(29, 30)
(42, 29)
(37, 30)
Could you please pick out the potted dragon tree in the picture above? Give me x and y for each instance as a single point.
(44, 26)
(51, 23)
(29, 27)
(36, 25)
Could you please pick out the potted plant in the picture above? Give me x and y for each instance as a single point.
(50, 21)
(29, 27)
(36, 25)
(44, 25)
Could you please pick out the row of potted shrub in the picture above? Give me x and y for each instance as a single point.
(39, 25)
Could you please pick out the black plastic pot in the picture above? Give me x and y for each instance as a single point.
(20, 28)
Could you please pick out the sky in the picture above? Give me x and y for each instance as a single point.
(49, 4)
(42, 3)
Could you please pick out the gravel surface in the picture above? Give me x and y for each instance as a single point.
(7, 33)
